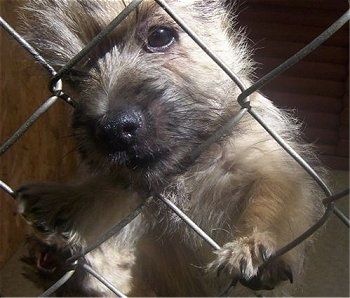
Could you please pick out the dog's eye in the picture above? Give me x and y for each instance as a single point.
(75, 75)
(160, 38)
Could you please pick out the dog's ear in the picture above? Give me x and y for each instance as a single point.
(59, 29)
(216, 10)
(48, 25)
(209, 6)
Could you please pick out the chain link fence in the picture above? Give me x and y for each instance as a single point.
(58, 93)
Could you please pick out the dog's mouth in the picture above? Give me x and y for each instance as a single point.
(132, 138)
(135, 157)
(124, 137)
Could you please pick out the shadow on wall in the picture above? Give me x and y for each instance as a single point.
(327, 270)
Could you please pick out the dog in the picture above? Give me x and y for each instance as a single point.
(147, 96)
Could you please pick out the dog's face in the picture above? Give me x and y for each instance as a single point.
(148, 95)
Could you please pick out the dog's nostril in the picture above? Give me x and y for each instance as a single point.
(119, 130)
(130, 126)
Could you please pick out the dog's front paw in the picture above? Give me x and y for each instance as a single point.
(244, 259)
(43, 206)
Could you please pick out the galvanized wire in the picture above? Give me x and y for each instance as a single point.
(7, 189)
(59, 283)
(243, 98)
(336, 196)
(310, 47)
(27, 46)
(234, 77)
(112, 232)
(189, 222)
(97, 39)
(27, 124)
(103, 280)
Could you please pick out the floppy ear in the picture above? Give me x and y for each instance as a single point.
(222, 11)
(208, 7)
(48, 25)
(59, 29)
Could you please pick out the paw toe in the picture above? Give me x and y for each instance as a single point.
(247, 260)
(269, 276)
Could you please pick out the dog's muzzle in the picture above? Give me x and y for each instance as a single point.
(121, 130)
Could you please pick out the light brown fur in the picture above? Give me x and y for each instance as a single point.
(244, 191)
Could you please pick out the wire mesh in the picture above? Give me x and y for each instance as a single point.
(243, 100)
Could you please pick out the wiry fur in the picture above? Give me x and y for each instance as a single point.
(244, 191)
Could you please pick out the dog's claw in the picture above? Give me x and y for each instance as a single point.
(219, 270)
(42, 227)
(243, 267)
(263, 252)
(249, 259)
(288, 274)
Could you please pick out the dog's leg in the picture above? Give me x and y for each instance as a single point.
(275, 214)
(70, 217)
(76, 212)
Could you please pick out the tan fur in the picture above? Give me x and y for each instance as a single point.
(244, 191)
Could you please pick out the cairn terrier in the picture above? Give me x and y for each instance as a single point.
(147, 96)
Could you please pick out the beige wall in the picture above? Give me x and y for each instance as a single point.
(327, 272)
(44, 151)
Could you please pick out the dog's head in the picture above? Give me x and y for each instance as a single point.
(147, 94)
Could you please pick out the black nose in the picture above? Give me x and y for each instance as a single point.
(119, 130)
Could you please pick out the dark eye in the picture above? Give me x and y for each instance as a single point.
(160, 38)
(76, 75)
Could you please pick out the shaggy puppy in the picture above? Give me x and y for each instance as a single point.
(147, 97)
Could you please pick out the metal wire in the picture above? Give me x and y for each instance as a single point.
(203, 46)
(222, 132)
(112, 232)
(27, 46)
(97, 39)
(189, 222)
(302, 163)
(303, 236)
(27, 124)
(336, 196)
(297, 57)
(51, 290)
(7, 188)
(243, 97)
(217, 135)
(102, 280)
